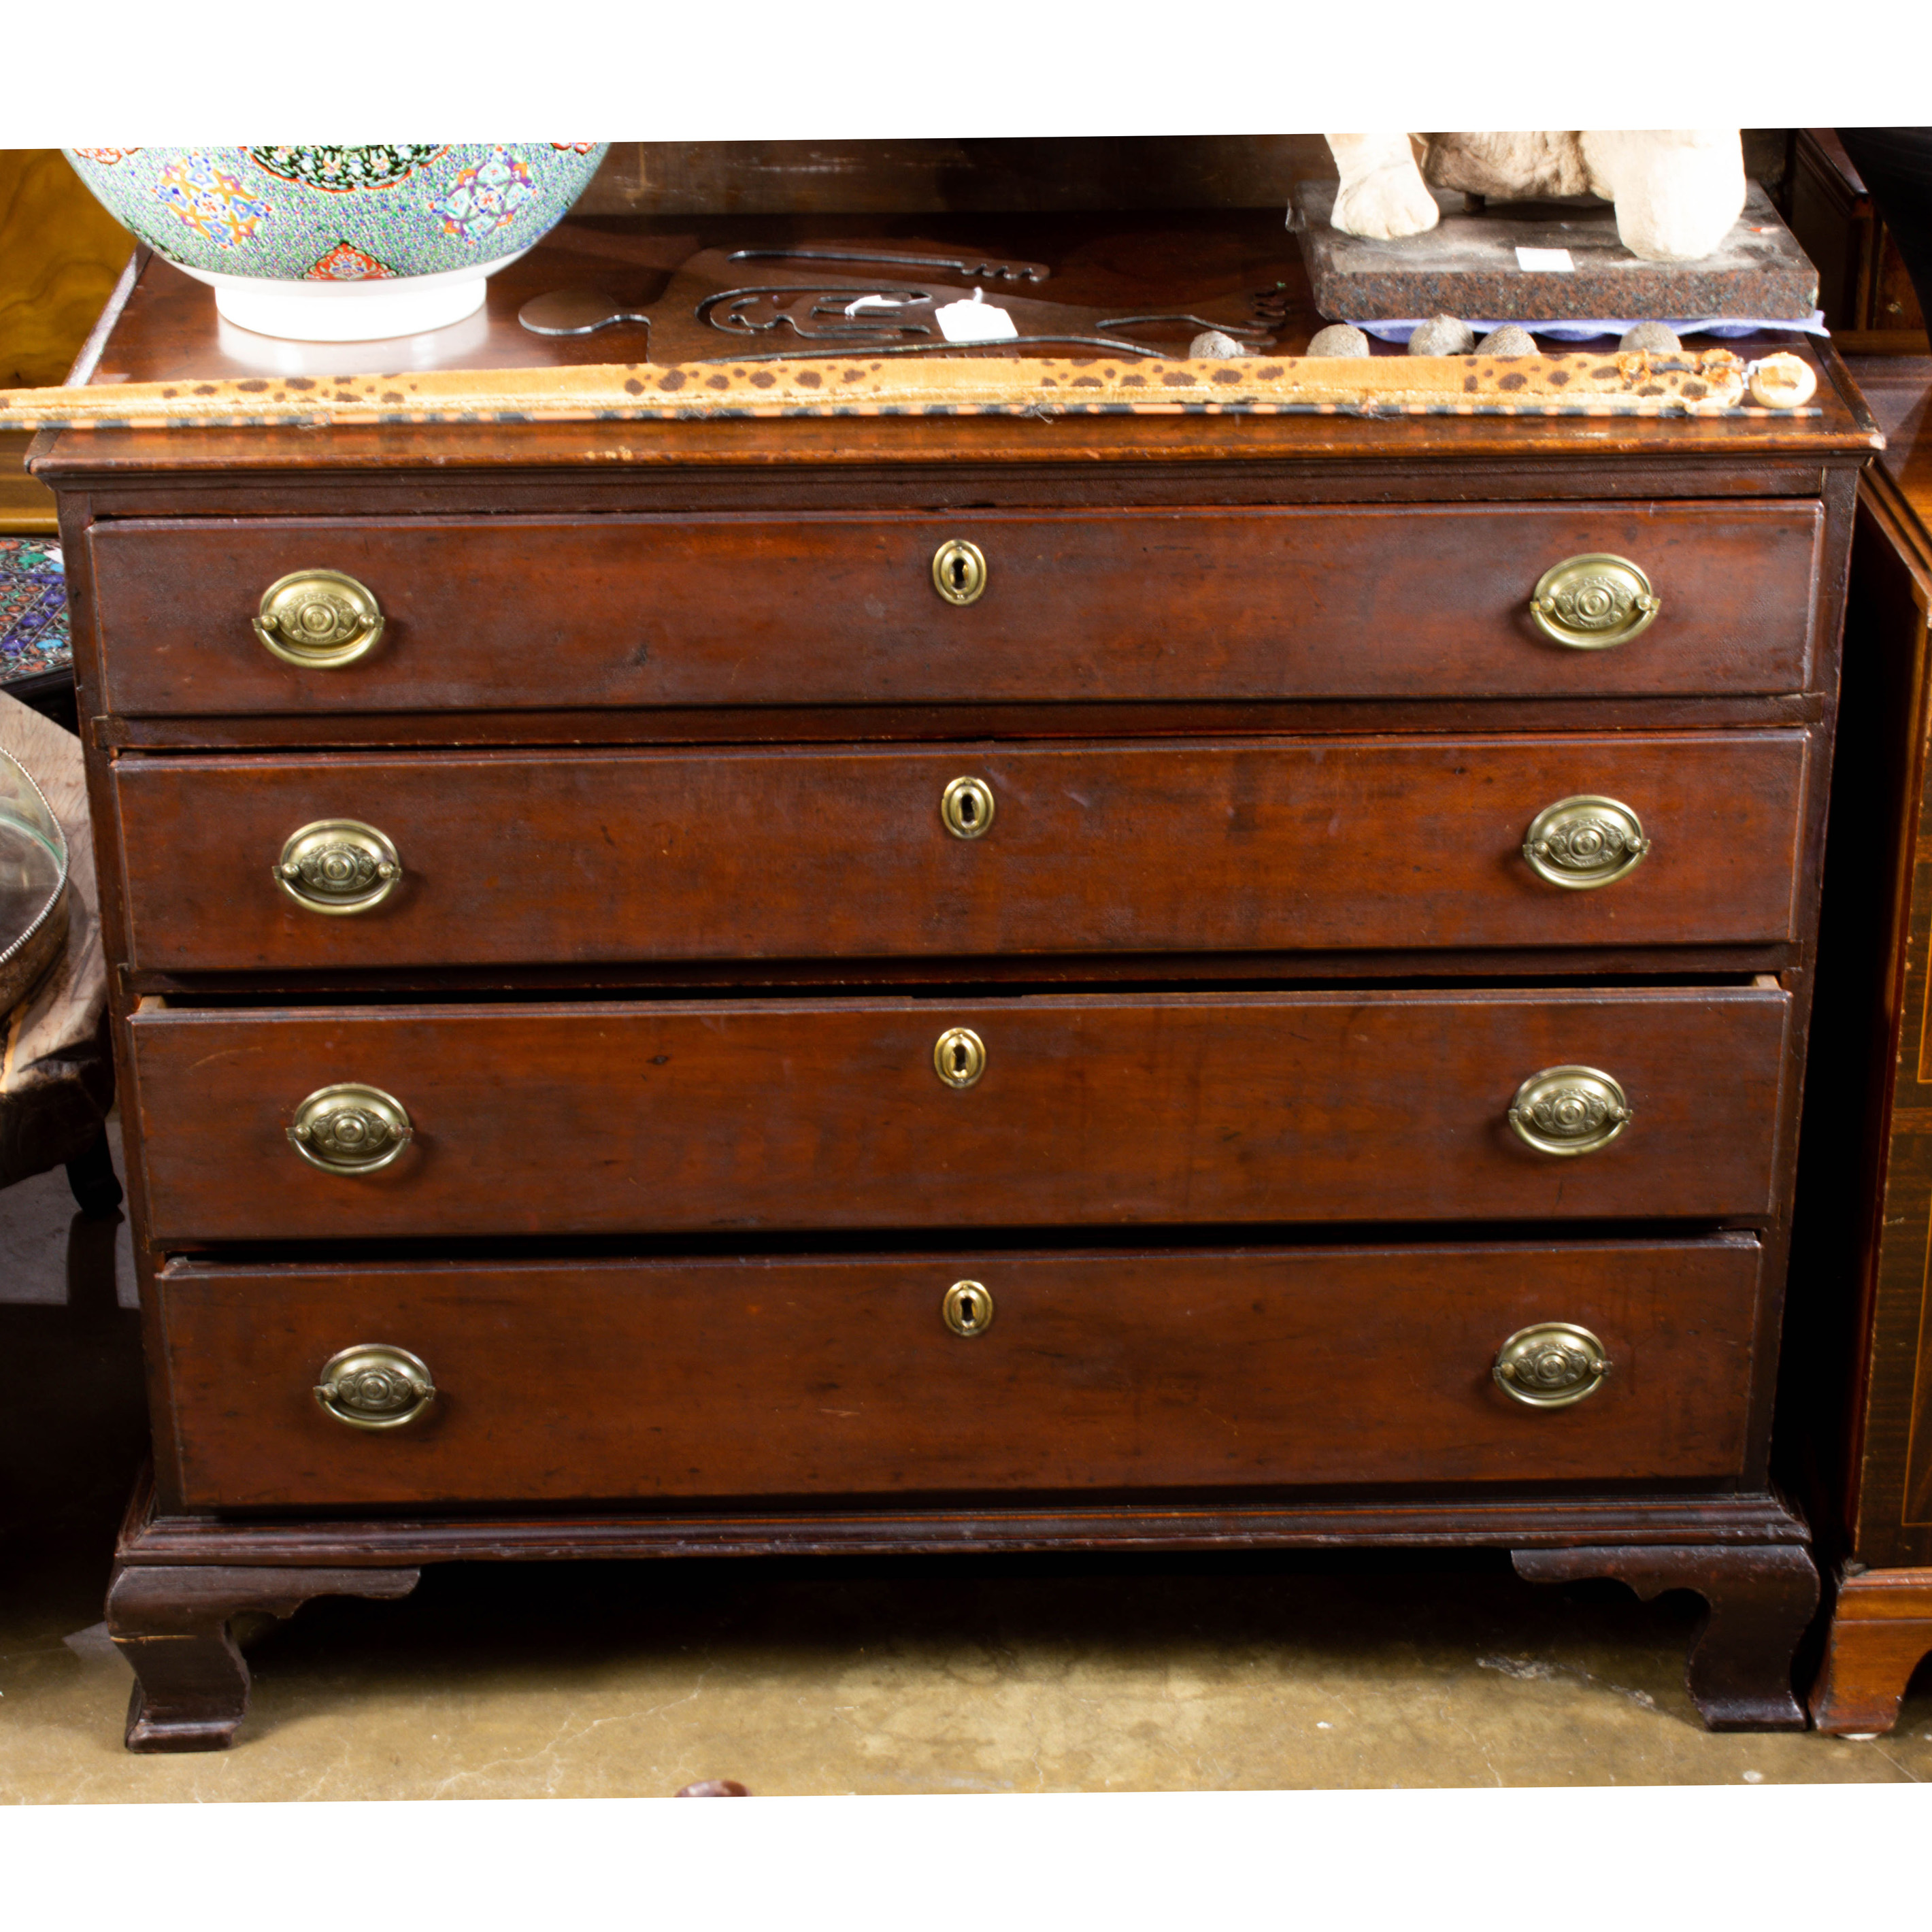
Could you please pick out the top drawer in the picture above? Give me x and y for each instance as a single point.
(524, 613)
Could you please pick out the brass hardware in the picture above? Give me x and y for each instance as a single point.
(338, 866)
(1569, 1110)
(1590, 603)
(350, 1128)
(372, 1386)
(967, 1308)
(1584, 842)
(1551, 1365)
(967, 805)
(959, 1057)
(959, 571)
(319, 619)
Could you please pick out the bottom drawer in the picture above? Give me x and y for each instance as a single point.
(666, 1380)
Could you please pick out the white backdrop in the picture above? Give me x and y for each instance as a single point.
(121, 72)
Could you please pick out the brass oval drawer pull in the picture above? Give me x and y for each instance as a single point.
(350, 1128)
(967, 1308)
(319, 619)
(1584, 841)
(966, 807)
(338, 866)
(959, 571)
(1569, 1110)
(1591, 603)
(959, 1056)
(1551, 1365)
(372, 1386)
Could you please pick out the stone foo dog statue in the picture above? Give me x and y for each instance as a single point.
(1678, 190)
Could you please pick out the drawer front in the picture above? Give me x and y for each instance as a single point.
(518, 858)
(642, 1380)
(1147, 1108)
(516, 612)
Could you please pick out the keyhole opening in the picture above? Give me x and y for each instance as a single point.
(968, 1309)
(959, 1057)
(967, 807)
(959, 571)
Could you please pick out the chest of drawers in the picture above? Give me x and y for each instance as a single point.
(671, 1028)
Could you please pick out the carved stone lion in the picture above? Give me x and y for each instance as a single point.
(1678, 190)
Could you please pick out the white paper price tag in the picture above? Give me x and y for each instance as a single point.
(975, 321)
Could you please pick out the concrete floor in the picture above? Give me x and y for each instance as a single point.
(631, 1680)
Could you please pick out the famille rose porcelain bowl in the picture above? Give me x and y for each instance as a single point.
(342, 244)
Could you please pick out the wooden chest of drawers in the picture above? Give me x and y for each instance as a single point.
(696, 1041)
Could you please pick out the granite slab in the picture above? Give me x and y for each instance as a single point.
(1468, 265)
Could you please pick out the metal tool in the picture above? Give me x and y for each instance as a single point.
(576, 312)
(967, 268)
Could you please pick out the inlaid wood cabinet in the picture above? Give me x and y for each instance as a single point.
(954, 983)
(1858, 1407)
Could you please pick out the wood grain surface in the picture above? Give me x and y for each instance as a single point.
(801, 1376)
(1859, 1375)
(1123, 1108)
(525, 858)
(536, 613)
(168, 332)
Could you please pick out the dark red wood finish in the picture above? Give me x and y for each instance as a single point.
(1858, 1403)
(528, 612)
(1109, 1109)
(651, 1380)
(528, 860)
(1125, 615)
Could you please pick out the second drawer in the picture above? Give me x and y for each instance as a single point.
(604, 1118)
(588, 856)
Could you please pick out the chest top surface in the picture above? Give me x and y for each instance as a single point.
(1151, 278)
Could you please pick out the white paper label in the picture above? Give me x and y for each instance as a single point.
(975, 321)
(1546, 261)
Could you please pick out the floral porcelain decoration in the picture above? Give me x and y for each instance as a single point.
(408, 231)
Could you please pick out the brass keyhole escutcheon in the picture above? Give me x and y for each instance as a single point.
(338, 866)
(350, 1128)
(959, 571)
(1567, 1110)
(1584, 841)
(967, 1308)
(1551, 1365)
(373, 1386)
(967, 807)
(1592, 602)
(320, 620)
(959, 1057)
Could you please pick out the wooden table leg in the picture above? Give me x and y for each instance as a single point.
(1761, 1598)
(171, 1622)
(1881, 1630)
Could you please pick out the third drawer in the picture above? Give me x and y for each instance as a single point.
(597, 857)
(608, 1117)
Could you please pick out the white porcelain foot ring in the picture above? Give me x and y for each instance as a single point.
(371, 311)
(268, 309)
